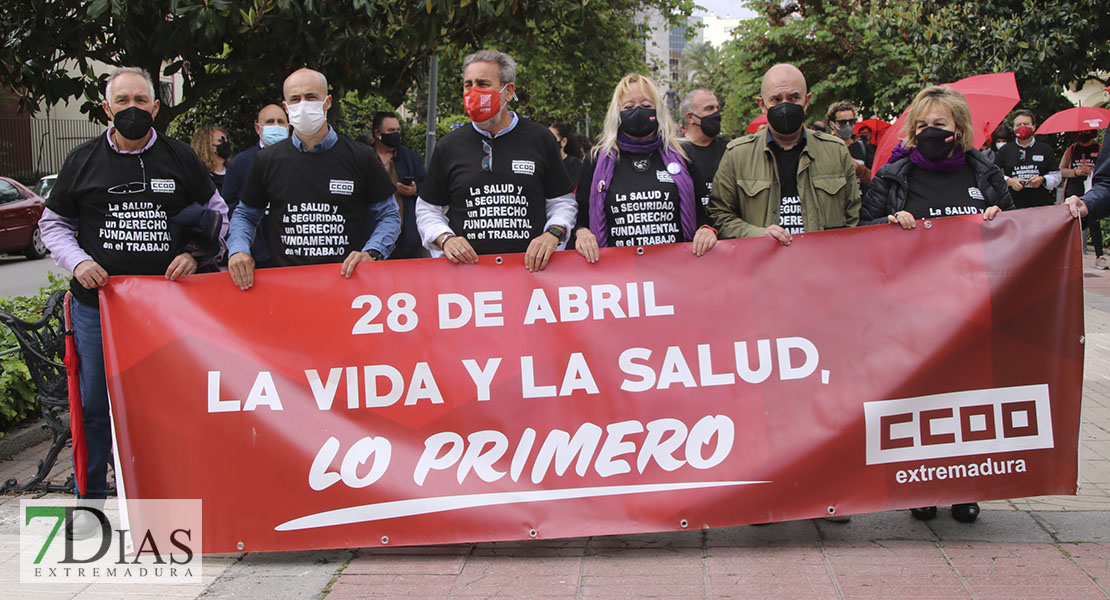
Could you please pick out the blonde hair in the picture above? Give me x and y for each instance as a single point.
(202, 145)
(948, 98)
(667, 128)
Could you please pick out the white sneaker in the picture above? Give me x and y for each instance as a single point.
(83, 526)
(1102, 263)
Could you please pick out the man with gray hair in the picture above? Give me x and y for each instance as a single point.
(701, 120)
(129, 202)
(498, 186)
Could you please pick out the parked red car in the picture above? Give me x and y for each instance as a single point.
(20, 210)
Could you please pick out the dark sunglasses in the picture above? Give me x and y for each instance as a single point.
(843, 122)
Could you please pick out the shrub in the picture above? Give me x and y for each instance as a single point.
(17, 393)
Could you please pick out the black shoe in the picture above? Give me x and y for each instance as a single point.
(965, 513)
(924, 514)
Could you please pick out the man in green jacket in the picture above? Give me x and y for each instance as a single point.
(784, 179)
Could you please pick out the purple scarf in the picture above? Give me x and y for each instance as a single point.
(603, 175)
(949, 165)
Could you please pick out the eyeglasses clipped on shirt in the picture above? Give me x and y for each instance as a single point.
(487, 160)
(135, 187)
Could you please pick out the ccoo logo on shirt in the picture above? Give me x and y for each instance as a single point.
(345, 187)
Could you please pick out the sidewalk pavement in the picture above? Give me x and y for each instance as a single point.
(1044, 547)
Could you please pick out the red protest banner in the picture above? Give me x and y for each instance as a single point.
(421, 402)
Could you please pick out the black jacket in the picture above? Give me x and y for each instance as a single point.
(887, 194)
(1098, 198)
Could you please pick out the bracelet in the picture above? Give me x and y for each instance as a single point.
(710, 228)
(443, 242)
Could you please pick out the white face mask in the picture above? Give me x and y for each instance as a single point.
(306, 117)
(999, 145)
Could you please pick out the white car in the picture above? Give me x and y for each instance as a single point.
(44, 185)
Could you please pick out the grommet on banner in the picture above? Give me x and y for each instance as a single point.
(533, 533)
(498, 260)
(385, 539)
(928, 224)
(640, 250)
(832, 510)
(683, 524)
(240, 545)
(1082, 339)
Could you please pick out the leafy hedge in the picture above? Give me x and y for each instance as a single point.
(17, 393)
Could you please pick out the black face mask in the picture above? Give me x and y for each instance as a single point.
(133, 123)
(390, 139)
(1085, 138)
(786, 117)
(935, 143)
(711, 124)
(638, 122)
(223, 149)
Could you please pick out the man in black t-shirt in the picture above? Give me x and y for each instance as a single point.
(321, 197)
(130, 202)
(1029, 165)
(497, 185)
(701, 118)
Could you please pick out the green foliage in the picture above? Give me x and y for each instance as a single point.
(702, 65)
(849, 50)
(567, 66)
(1047, 44)
(17, 392)
(233, 54)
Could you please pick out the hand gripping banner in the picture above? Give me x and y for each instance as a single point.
(422, 402)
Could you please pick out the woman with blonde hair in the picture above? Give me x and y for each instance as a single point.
(212, 146)
(640, 189)
(934, 171)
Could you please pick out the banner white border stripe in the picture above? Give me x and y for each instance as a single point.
(423, 506)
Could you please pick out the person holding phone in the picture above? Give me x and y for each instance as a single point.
(407, 173)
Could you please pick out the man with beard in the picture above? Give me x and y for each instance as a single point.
(701, 118)
(499, 185)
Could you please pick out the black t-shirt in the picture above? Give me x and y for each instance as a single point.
(218, 181)
(501, 210)
(1081, 156)
(123, 204)
(790, 204)
(934, 194)
(318, 201)
(707, 158)
(1026, 163)
(573, 165)
(642, 205)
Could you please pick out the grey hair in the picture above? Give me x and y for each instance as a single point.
(506, 66)
(688, 103)
(116, 72)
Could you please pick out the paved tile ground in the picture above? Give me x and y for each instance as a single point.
(1050, 547)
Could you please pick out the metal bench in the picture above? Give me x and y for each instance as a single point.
(42, 344)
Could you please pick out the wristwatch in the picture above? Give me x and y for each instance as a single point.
(375, 255)
(559, 233)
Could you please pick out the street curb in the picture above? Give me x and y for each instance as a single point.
(30, 435)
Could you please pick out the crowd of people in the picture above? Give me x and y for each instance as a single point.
(136, 202)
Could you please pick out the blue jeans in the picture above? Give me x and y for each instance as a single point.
(94, 396)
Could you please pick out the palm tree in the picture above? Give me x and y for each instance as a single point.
(699, 61)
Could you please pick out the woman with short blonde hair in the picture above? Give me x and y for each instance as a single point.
(935, 171)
